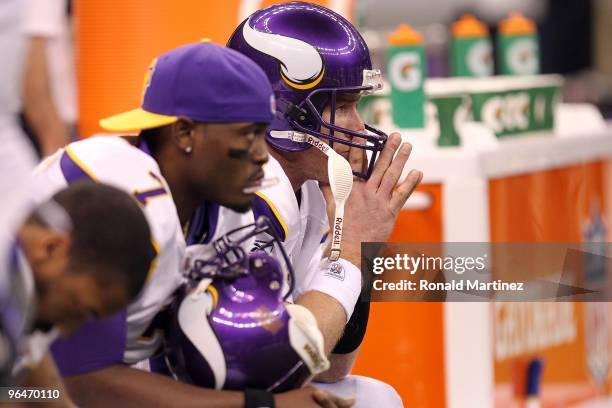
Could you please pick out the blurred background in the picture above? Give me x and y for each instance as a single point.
(509, 118)
(573, 35)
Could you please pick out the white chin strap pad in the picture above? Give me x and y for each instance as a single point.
(340, 176)
(306, 338)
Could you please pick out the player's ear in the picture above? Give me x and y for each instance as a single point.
(183, 131)
(48, 251)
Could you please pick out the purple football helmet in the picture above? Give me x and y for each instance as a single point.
(231, 328)
(310, 54)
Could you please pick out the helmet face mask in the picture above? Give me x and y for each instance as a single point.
(307, 118)
(231, 261)
(310, 55)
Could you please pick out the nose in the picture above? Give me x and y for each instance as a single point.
(356, 124)
(259, 151)
(350, 119)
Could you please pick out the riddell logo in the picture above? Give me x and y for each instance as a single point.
(337, 231)
(317, 143)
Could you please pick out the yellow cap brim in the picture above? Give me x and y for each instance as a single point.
(137, 119)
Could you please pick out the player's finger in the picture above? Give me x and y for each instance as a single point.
(327, 193)
(322, 399)
(394, 172)
(405, 190)
(383, 162)
(327, 400)
(344, 402)
(330, 204)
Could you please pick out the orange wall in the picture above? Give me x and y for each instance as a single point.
(117, 39)
(404, 343)
(549, 206)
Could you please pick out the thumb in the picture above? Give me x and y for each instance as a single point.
(327, 193)
(329, 199)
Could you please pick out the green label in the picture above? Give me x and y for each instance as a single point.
(519, 55)
(517, 111)
(543, 103)
(505, 113)
(450, 113)
(472, 57)
(407, 71)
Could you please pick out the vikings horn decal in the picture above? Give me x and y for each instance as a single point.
(301, 65)
(199, 332)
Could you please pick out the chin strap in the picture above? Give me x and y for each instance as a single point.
(340, 177)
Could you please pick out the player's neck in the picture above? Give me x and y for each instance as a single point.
(181, 195)
(292, 170)
(185, 207)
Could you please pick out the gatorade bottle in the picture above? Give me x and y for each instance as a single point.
(518, 51)
(406, 68)
(471, 49)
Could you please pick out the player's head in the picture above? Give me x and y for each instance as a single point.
(232, 328)
(204, 112)
(319, 66)
(89, 249)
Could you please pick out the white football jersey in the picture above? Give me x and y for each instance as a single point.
(301, 219)
(300, 224)
(127, 337)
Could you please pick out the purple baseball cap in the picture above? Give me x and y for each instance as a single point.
(203, 82)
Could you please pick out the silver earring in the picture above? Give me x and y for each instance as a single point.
(188, 150)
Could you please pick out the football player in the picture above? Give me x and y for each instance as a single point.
(201, 126)
(319, 67)
(68, 266)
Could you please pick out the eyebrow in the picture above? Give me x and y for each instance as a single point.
(348, 97)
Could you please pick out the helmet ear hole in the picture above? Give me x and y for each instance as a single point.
(302, 116)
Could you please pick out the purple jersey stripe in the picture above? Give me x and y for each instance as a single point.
(96, 345)
(71, 170)
(144, 196)
(261, 207)
(203, 224)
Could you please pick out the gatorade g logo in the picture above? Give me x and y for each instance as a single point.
(506, 113)
(405, 71)
(523, 57)
(148, 76)
(480, 59)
